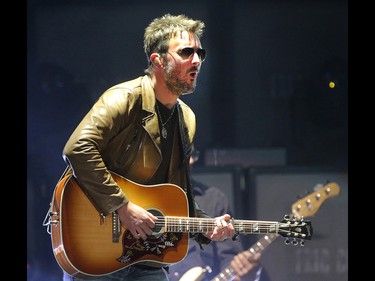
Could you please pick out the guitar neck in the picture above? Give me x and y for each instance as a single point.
(202, 225)
(286, 228)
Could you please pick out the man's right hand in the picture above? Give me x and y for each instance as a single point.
(137, 220)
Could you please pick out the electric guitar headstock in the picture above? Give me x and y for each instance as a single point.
(310, 204)
(296, 227)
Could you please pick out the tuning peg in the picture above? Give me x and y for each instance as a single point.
(295, 218)
(318, 186)
(295, 242)
(287, 217)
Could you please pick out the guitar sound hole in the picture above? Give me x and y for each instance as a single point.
(158, 229)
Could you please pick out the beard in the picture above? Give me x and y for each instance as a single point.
(174, 84)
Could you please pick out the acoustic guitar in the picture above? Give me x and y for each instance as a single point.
(87, 245)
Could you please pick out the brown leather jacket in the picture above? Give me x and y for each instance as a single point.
(121, 134)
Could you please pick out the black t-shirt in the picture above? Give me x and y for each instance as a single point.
(167, 121)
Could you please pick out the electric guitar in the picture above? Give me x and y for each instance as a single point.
(305, 207)
(86, 244)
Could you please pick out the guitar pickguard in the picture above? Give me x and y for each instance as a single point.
(134, 249)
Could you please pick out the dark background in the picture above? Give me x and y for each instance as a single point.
(263, 86)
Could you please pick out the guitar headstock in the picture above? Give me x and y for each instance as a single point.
(296, 230)
(310, 204)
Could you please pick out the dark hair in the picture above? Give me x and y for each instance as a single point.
(161, 30)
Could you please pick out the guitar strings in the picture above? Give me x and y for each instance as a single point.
(186, 224)
(209, 223)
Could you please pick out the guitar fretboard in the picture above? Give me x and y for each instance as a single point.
(201, 225)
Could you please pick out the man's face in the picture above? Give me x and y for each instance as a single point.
(181, 72)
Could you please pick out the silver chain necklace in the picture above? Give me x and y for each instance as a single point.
(164, 132)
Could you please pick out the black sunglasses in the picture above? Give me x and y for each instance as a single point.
(186, 52)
